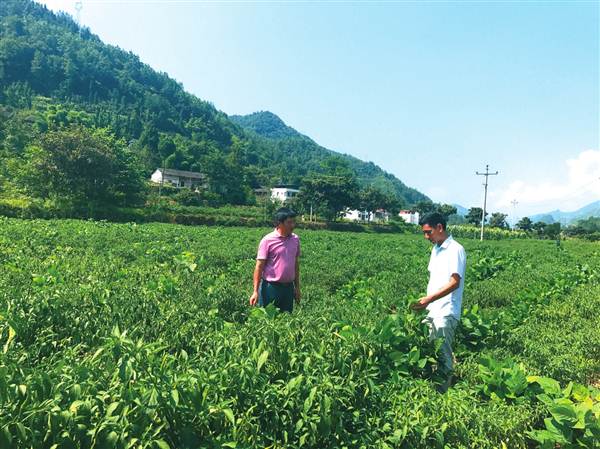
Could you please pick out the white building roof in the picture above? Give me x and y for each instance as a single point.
(181, 173)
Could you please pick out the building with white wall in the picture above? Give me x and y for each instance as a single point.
(283, 193)
(409, 216)
(179, 178)
(362, 215)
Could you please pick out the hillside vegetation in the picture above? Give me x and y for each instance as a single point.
(56, 76)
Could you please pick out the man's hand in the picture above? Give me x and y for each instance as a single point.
(452, 285)
(254, 298)
(421, 303)
(297, 294)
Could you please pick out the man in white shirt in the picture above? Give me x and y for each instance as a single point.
(445, 289)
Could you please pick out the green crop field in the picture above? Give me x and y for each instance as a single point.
(139, 336)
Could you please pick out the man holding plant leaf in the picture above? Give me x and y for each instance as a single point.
(443, 302)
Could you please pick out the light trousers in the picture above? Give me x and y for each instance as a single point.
(443, 327)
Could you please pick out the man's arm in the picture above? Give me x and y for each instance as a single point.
(258, 272)
(452, 285)
(297, 294)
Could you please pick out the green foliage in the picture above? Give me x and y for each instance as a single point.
(574, 420)
(498, 220)
(328, 195)
(54, 74)
(588, 228)
(502, 380)
(303, 156)
(488, 265)
(372, 199)
(87, 168)
(134, 336)
(546, 231)
(473, 232)
(475, 331)
(426, 207)
(525, 224)
(474, 216)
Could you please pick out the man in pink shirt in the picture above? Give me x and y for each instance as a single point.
(277, 271)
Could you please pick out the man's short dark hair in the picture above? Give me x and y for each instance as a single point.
(433, 219)
(283, 214)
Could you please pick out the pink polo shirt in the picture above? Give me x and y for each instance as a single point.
(280, 254)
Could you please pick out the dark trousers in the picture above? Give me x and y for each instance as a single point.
(280, 294)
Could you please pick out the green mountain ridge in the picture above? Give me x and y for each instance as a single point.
(54, 73)
(567, 218)
(268, 125)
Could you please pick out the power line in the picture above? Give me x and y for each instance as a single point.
(485, 185)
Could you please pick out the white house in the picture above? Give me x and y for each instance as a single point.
(357, 215)
(178, 178)
(283, 193)
(409, 216)
(363, 215)
(381, 215)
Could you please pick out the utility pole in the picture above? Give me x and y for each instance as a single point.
(485, 185)
(514, 205)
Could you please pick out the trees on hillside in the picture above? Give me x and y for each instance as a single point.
(54, 74)
(89, 169)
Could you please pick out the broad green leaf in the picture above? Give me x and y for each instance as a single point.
(229, 415)
(175, 396)
(564, 414)
(161, 444)
(261, 360)
(111, 408)
(550, 386)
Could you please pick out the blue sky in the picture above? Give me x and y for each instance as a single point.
(430, 91)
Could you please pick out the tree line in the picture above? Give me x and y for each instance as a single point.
(59, 81)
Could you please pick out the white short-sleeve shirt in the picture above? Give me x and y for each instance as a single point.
(446, 259)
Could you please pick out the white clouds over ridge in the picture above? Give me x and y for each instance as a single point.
(579, 185)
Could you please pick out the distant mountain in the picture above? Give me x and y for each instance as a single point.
(269, 126)
(461, 210)
(54, 74)
(566, 218)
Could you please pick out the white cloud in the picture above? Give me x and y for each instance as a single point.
(580, 185)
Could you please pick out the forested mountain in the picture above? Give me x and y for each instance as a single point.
(56, 75)
(266, 124)
(269, 126)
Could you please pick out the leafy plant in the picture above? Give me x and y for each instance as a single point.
(574, 420)
(505, 380)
